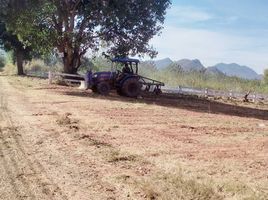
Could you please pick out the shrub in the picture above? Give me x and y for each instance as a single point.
(2, 61)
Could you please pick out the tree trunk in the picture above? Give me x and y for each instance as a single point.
(19, 60)
(71, 61)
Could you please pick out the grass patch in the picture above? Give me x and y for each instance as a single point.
(242, 191)
(174, 186)
(116, 156)
(65, 119)
(94, 142)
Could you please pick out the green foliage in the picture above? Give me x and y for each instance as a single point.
(75, 26)
(101, 64)
(193, 79)
(266, 76)
(2, 59)
(86, 65)
(10, 42)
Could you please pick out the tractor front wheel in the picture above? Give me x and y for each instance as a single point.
(131, 87)
(94, 89)
(103, 88)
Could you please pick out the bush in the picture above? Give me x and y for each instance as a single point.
(2, 61)
(266, 76)
(177, 78)
(38, 66)
(10, 69)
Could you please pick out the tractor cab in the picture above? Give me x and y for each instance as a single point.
(128, 65)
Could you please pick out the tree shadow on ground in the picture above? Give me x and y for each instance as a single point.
(192, 103)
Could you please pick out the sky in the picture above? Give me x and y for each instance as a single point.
(216, 31)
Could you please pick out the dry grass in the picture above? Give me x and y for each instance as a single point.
(64, 120)
(166, 138)
(10, 69)
(116, 156)
(176, 186)
(94, 142)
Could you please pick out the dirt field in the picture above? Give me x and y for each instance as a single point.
(61, 143)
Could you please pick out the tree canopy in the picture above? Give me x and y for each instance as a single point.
(73, 27)
(9, 41)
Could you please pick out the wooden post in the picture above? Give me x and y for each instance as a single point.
(206, 92)
(50, 77)
(254, 98)
(231, 94)
(180, 90)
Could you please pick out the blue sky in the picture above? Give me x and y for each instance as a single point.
(216, 31)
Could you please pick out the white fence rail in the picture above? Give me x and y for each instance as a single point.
(214, 93)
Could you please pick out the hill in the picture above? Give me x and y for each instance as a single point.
(190, 65)
(237, 70)
(163, 63)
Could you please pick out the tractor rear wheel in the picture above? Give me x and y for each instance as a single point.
(119, 92)
(103, 88)
(131, 87)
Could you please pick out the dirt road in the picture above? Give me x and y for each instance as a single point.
(62, 143)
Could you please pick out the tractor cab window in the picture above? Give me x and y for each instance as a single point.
(126, 69)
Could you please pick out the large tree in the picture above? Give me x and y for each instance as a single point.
(125, 27)
(10, 42)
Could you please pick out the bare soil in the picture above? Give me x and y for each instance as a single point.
(59, 142)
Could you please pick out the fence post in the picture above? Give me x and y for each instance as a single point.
(50, 77)
(180, 90)
(206, 92)
(254, 98)
(230, 94)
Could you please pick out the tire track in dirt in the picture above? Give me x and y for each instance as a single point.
(27, 177)
(83, 169)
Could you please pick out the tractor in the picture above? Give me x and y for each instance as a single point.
(126, 82)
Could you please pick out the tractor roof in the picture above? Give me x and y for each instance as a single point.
(125, 60)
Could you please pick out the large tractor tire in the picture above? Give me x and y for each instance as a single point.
(119, 92)
(131, 88)
(94, 89)
(103, 88)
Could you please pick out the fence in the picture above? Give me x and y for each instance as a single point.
(215, 93)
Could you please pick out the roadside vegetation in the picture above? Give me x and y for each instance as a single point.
(169, 76)
(201, 80)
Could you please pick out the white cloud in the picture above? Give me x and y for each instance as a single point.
(212, 47)
(188, 14)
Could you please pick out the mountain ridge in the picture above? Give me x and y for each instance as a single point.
(188, 65)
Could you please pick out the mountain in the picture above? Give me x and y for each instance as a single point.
(162, 64)
(234, 69)
(190, 65)
(213, 71)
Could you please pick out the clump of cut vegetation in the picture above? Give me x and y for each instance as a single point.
(94, 141)
(65, 120)
(175, 186)
(117, 156)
